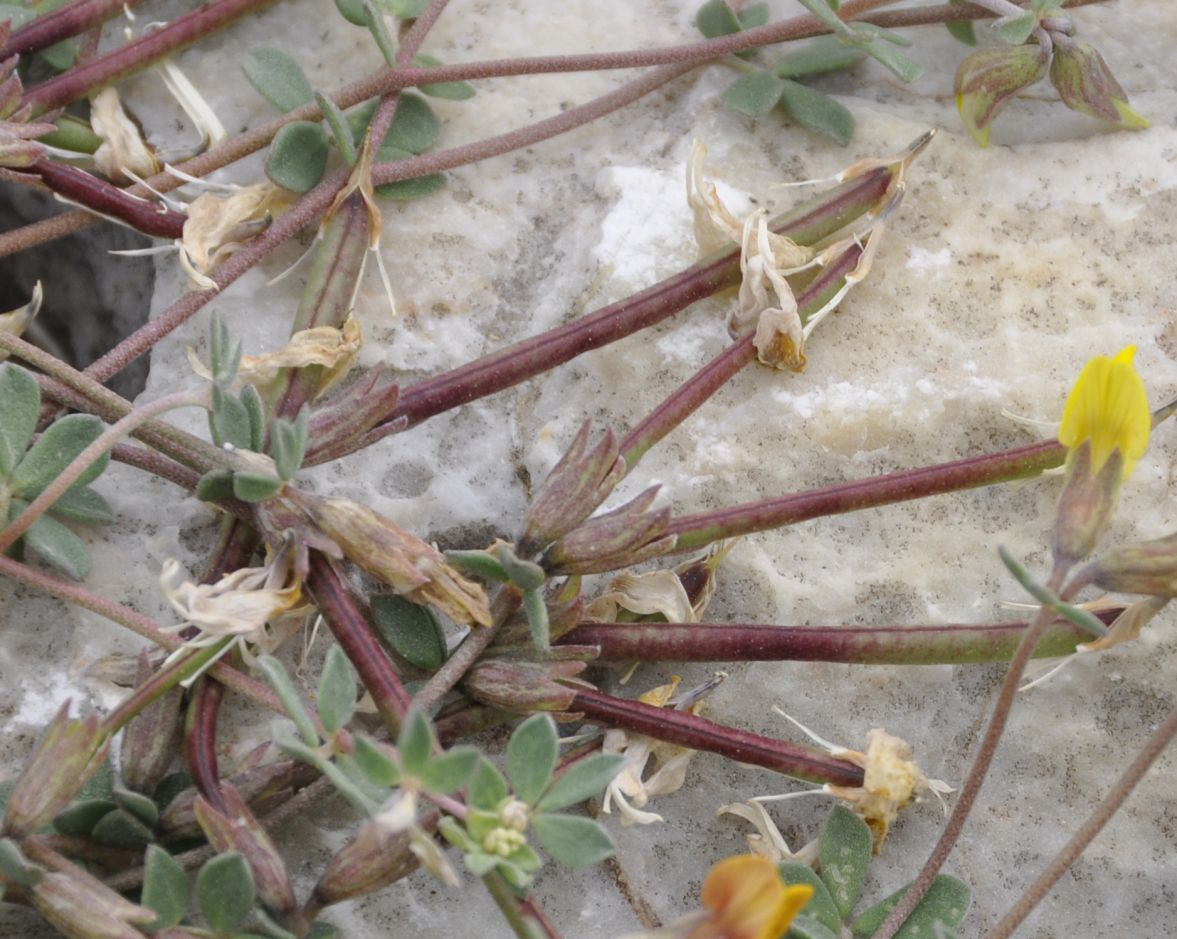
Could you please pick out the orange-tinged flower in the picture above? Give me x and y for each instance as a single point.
(746, 899)
(1109, 408)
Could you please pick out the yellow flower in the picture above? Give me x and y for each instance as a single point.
(746, 899)
(1109, 408)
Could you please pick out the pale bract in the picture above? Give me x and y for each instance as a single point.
(123, 155)
(218, 225)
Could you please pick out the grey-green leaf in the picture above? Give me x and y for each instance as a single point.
(455, 91)
(844, 852)
(21, 399)
(450, 771)
(279, 679)
(581, 781)
(298, 156)
(277, 78)
(1015, 30)
(256, 409)
(405, 190)
(818, 56)
(805, 926)
(827, 13)
(215, 486)
(289, 444)
(352, 11)
(138, 805)
(531, 757)
(15, 866)
(962, 30)
(573, 841)
(716, 18)
(53, 542)
(83, 504)
(903, 67)
(821, 905)
(81, 817)
(375, 764)
(228, 420)
(224, 890)
(55, 450)
(415, 128)
(61, 55)
(121, 829)
(752, 16)
(941, 910)
(406, 9)
(255, 487)
(754, 94)
(414, 744)
(340, 130)
(817, 112)
(537, 619)
(409, 629)
(487, 787)
(337, 691)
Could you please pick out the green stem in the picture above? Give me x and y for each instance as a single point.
(159, 684)
(508, 904)
(109, 437)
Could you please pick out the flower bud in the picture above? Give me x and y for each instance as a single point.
(625, 536)
(1147, 568)
(79, 905)
(376, 857)
(261, 786)
(151, 739)
(1087, 85)
(580, 482)
(1085, 505)
(236, 829)
(67, 756)
(523, 687)
(986, 81)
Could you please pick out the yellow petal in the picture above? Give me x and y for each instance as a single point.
(1108, 406)
(748, 900)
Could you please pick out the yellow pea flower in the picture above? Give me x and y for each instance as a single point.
(746, 899)
(1108, 407)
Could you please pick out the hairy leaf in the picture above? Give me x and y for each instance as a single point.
(278, 78)
(298, 156)
(531, 757)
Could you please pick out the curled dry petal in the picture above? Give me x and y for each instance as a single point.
(123, 151)
(218, 225)
(15, 322)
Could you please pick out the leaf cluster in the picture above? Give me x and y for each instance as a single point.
(844, 854)
(27, 467)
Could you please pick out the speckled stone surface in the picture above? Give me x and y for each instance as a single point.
(1004, 271)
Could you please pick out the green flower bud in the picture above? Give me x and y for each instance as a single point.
(987, 80)
(1087, 85)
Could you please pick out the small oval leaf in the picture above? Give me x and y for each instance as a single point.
(415, 128)
(83, 504)
(573, 841)
(818, 56)
(55, 450)
(941, 910)
(277, 78)
(54, 543)
(754, 94)
(716, 18)
(255, 487)
(455, 91)
(821, 905)
(337, 691)
(298, 156)
(165, 888)
(531, 757)
(817, 112)
(844, 852)
(18, 416)
(224, 890)
(410, 630)
(581, 781)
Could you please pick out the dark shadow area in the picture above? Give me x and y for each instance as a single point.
(93, 299)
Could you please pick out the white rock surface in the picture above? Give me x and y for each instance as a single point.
(1004, 271)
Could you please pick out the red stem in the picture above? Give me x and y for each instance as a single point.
(62, 23)
(687, 730)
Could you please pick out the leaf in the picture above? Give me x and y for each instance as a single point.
(121, 829)
(138, 805)
(378, 26)
(406, 9)
(340, 129)
(54, 451)
(18, 415)
(574, 842)
(454, 91)
(224, 352)
(904, 68)
(818, 56)
(277, 78)
(100, 785)
(487, 787)
(215, 485)
(405, 190)
(83, 504)
(255, 487)
(415, 128)
(378, 766)
(844, 852)
(943, 907)
(537, 619)
(224, 890)
(1015, 30)
(81, 817)
(257, 417)
(531, 757)
(228, 420)
(57, 545)
(805, 926)
(298, 156)
(169, 787)
(817, 112)
(276, 675)
(450, 771)
(15, 866)
(352, 11)
(962, 30)
(752, 16)
(581, 781)
(821, 906)
(60, 55)
(410, 630)
(716, 18)
(17, 14)
(414, 744)
(336, 701)
(289, 443)
(827, 13)
(754, 94)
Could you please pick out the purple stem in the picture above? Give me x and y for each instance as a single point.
(953, 643)
(62, 23)
(687, 730)
(695, 531)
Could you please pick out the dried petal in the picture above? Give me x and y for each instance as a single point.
(123, 148)
(218, 225)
